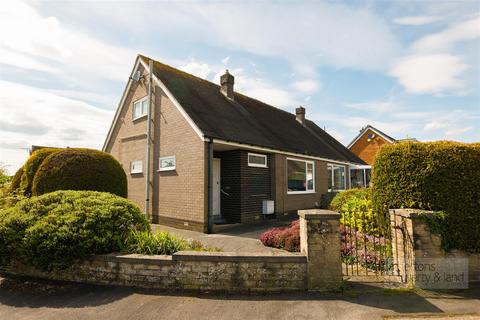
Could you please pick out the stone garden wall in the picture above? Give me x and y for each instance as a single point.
(412, 241)
(316, 268)
(187, 270)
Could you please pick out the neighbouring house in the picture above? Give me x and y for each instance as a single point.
(366, 146)
(218, 156)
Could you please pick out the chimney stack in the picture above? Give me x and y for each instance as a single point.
(226, 85)
(300, 112)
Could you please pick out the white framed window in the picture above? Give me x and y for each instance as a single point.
(300, 176)
(167, 163)
(257, 160)
(140, 108)
(136, 166)
(336, 177)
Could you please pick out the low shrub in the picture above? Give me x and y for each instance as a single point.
(10, 198)
(146, 242)
(80, 169)
(357, 213)
(56, 229)
(283, 238)
(31, 166)
(439, 176)
(342, 197)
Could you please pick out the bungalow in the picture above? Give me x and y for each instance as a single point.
(215, 155)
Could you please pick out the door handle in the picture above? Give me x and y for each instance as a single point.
(221, 190)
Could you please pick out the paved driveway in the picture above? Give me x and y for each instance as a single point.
(231, 238)
(21, 300)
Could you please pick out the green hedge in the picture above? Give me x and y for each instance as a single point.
(54, 230)
(80, 169)
(31, 166)
(438, 176)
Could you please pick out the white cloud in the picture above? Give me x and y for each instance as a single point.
(430, 73)
(45, 44)
(307, 86)
(432, 64)
(320, 33)
(226, 60)
(202, 70)
(260, 89)
(456, 132)
(34, 116)
(417, 20)
(445, 40)
(435, 125)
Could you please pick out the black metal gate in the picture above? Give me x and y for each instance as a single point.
(371, 248)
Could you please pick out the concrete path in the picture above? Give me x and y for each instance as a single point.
(230, 239)
(33, 300)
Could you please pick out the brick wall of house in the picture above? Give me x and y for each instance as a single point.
(367, 150)
(177, 197)
(246, 186)
(256, 187)
(128, 141)
(289, 203)
(181, 192)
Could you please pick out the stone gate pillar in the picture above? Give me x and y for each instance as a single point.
(320, 242)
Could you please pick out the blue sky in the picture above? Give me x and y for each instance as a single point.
(410, 68)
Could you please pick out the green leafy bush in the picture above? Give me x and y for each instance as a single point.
(357, 213)
(31, 166)
(16, 180)
(80, 169)
(54, 230)
(356, 208)
(147, 242)
(439, 176)
(341, 197)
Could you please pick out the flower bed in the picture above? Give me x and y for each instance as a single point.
(283, 238)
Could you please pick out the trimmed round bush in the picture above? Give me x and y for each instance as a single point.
(80, 169)
(439, 176)
(31, 166)
(54, 230)
(16, 180)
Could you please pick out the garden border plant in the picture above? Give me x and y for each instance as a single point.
(56, 229)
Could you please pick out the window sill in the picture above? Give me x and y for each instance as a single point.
(300, 192)
(139, 118)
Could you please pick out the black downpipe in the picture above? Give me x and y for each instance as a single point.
(210, 185)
